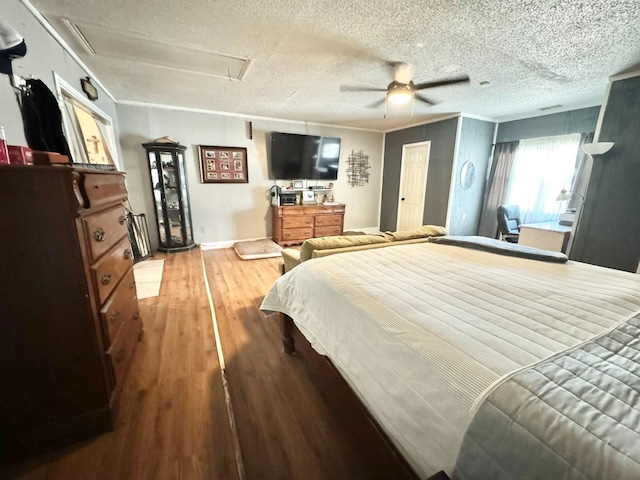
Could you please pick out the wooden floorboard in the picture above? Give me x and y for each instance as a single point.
(173, 423)
(278, 410)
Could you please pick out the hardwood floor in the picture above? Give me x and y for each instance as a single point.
(174, 421)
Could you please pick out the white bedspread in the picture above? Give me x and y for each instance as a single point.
(421, 331)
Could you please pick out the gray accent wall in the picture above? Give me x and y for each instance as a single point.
(443, 139)
(474, 145)
(608, 233)
(583, 120)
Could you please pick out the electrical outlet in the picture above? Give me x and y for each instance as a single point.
(464, 217)
(202, 229)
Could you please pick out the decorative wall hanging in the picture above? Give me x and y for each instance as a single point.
(467, 174)
(89, 89)
(358, 168)
(223, 164)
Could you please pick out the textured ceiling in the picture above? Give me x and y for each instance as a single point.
(534, 53)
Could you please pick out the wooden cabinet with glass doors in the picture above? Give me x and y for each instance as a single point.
(171, 196)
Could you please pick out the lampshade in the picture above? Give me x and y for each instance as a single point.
(400, 94)
(565, 195)
(597, 148)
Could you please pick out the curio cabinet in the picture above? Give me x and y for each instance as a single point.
(170, 194)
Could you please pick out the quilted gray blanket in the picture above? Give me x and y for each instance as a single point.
(574, 416)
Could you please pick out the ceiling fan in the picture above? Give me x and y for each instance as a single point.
(402, 89)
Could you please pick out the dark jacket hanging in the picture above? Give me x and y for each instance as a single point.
(42, 119)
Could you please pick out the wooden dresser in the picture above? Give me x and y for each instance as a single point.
(293, 224)
(69, 321)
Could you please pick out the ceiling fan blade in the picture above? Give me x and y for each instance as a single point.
(377, 104)
(422, 86)
(351, 88)
(423, 99)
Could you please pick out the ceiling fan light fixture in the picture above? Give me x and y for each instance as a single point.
(400, 94)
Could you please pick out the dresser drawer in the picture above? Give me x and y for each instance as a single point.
(287, 211)
(297, 222)
(119, 355)
(111, 268)
(104, 229)
(328, 231)
(325, 209)
(120, 306)
(297, 233)
(103, 188)
(328, 220)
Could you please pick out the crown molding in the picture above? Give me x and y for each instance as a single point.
(238, 115)
(438, 118)
(65, 46)
(625, 76)
(566, 108)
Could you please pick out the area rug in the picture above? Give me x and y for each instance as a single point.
(261, 248)
(148, 275)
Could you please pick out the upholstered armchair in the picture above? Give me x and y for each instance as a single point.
(509, 223)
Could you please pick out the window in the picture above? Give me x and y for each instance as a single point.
(541, 168)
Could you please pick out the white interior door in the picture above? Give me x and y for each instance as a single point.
(413, 185)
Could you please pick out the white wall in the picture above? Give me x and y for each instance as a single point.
(220, 212)
(227, 212)
(44, 56)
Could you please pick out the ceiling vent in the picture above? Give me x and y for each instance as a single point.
(105, 42)
(549, 108)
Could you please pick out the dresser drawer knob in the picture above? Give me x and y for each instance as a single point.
(114, 316)
(100, 234)
(119, 356)
(132, 285)
(127, 253)
(122, 219)
(106, 278)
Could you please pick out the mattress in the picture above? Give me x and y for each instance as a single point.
(422, 331)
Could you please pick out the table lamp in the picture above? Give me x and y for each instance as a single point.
(568, 217)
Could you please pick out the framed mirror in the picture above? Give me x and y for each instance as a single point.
(467, 174)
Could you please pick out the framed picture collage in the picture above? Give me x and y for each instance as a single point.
(223, 164)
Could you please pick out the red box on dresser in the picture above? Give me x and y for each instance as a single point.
(19, 155)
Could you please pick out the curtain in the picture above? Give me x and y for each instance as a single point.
(542, 167)
(496, 189)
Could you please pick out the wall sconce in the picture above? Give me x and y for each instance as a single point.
(597, 148)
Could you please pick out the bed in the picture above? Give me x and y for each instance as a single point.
(424, 334)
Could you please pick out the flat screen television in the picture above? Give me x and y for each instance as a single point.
(303, 156)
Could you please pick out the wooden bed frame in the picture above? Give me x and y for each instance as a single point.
(349, 409)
